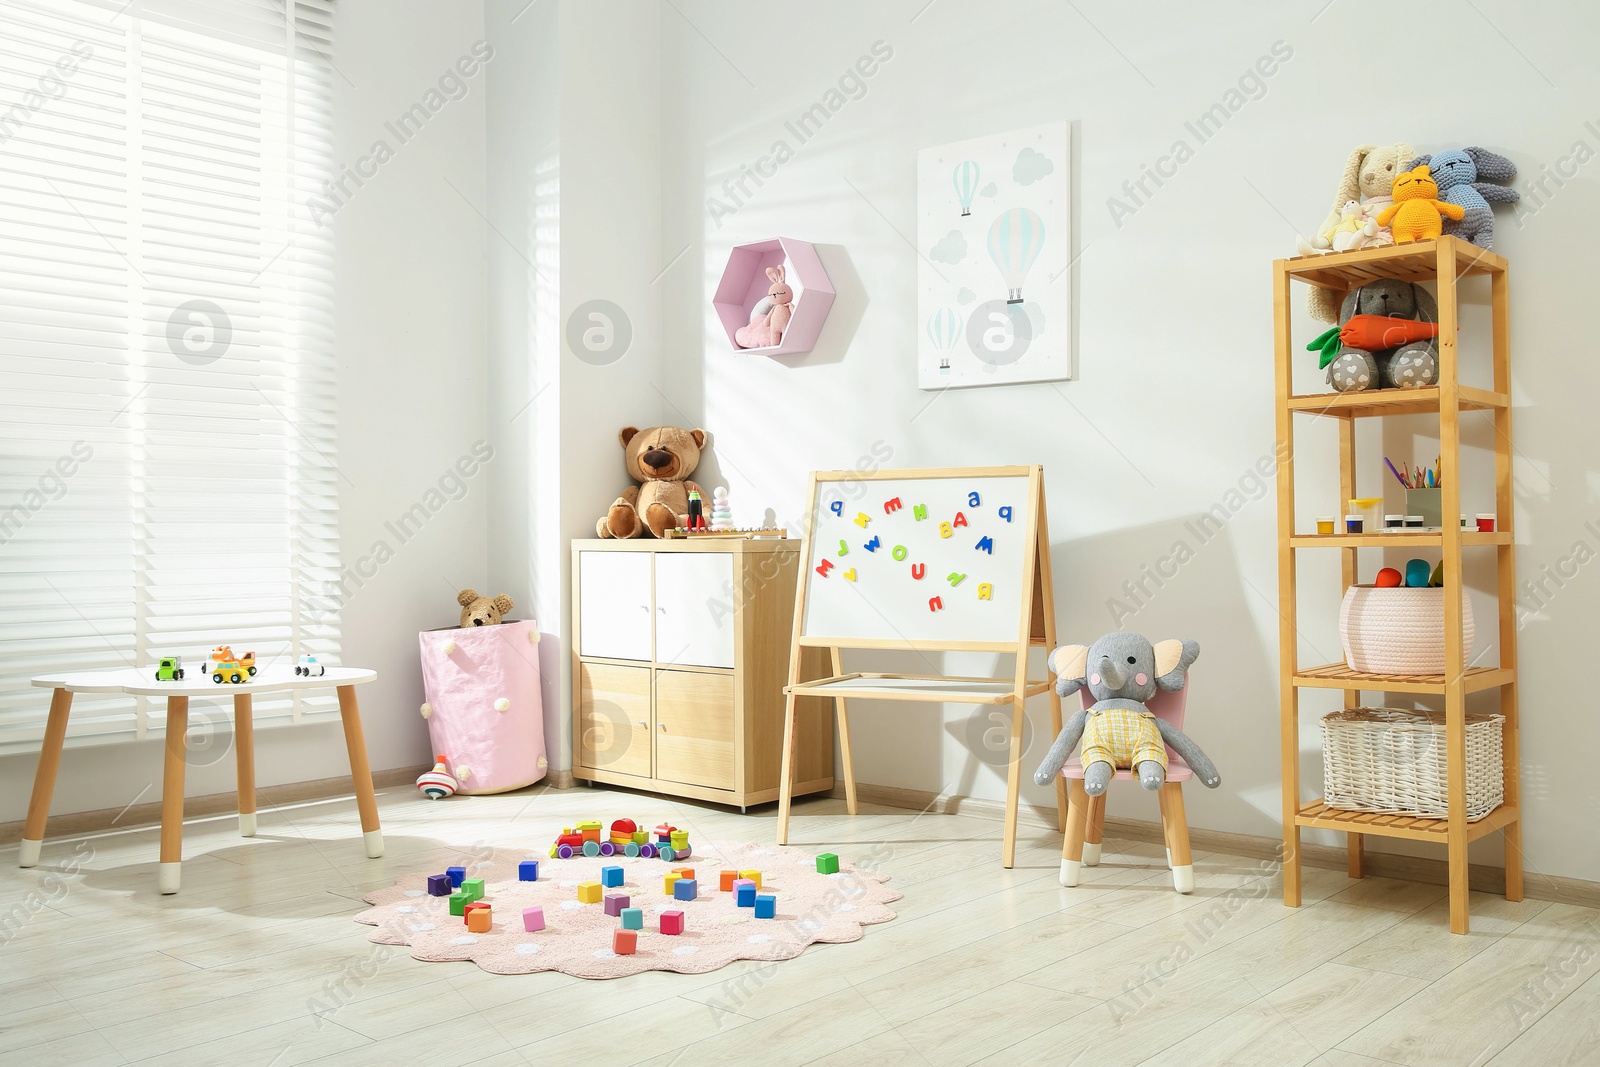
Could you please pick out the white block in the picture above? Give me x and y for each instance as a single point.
(168, 876)
(1091, 854)
(247, 824)
(28, 852)
(1069, 872)
(1183, 878)
(373, 839)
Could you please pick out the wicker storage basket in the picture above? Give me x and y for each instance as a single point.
(1393, 761)
(1399, 630)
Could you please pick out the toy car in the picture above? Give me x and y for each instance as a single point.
(309, 667)
(225, 666)
(170, 669)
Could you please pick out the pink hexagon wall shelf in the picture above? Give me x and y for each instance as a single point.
(744, 283)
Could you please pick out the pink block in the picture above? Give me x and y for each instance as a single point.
(532, 919)
(672, 922)
(466, 673)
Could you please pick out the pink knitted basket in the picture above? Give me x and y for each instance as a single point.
(1398, 630)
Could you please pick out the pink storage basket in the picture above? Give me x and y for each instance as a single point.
(484, 708)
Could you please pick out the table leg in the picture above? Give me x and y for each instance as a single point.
(244, 751)
(360, 771)
(44, 778)
(171, 868)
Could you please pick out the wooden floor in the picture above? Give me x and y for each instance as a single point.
(257, 961)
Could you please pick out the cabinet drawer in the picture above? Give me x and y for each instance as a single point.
(694, 608)
(614, 605)
(614, 718)
(694, 728)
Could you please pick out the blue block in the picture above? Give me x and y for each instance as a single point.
(610, 877)
(455, 874)
(746, 897)
(766, 906)
(528, 871)
(439, 885)
(633, 918)
(685, 889)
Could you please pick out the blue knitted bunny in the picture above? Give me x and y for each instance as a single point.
(1457, 172)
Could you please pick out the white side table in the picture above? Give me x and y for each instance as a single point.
(136, 682)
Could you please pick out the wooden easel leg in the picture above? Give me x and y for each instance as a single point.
(355, 743)
(1355, 855)
(170, 871)
(44, 778)
(244, 751)
(786, 770)
(1094, 828)
(1072, 839)
(841, 712)
(1178, 836)
(1014, 782)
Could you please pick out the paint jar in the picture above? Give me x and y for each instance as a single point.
(1353, 523)
(1414, 522)
(1486, 522)
(1393, 522)
(1370, 508)
(1467, 524)
(1327, 523)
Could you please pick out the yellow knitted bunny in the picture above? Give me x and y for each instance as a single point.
(1415, 213)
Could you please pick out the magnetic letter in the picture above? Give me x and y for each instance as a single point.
(972, 500)
(986, 544)
(961, 520)
(955, 578)
(1005, 512)
(984, 590)
(850, 575)
(899, 552)
(892, 505)
(935, 604)
(844, 549)
(824, 567)
(873, 545)
(837, 507)
(944, 529)
(919, 511)
(862, 518)
(918, 570)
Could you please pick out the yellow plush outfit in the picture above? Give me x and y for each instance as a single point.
(1415, 213)
(1122, 738)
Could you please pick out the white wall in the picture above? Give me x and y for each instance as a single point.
(1174, 405)
(409, 339)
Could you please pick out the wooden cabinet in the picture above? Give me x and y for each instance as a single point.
(681, 654)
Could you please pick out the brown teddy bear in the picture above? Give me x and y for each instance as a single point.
(481, 610)
(662, 458)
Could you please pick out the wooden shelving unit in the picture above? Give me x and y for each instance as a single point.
(1444, 262)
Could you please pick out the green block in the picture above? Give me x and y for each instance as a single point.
(473, 887)
(827, 863)
(633, 918)
(458, 902)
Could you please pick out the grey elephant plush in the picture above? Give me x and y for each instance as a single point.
(1458, 172)
(1122, 671)
(1413, 365)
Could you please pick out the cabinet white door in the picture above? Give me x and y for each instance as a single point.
(614, 605)
(694, 608)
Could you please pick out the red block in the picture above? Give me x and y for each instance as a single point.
(624, 942)
(672, 922)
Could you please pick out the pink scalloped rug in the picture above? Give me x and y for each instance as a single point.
(576, 939)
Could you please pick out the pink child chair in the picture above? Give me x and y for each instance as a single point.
(1086, 815)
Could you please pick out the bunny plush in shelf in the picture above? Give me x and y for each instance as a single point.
(771, 315)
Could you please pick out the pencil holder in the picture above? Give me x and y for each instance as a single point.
(1427, 503)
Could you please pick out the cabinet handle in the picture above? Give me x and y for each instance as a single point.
(644, 724)
(661, 726)
(662, 610)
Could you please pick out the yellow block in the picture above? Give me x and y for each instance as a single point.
(667, 882)
(754, 876)
(479, 921)
(589, 892)
(680, 840)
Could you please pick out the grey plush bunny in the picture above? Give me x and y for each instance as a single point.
(1123, 670)
(1458, 172)
(1413, 365)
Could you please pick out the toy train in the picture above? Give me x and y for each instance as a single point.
(589, 839)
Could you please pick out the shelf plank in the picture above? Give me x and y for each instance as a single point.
(1376, 403)
(1318, 815)
(1397, 539)
(1340, 676)
(1416, 261)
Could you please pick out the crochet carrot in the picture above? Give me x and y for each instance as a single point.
(1371, 333)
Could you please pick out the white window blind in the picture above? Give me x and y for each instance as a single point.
(167, 423)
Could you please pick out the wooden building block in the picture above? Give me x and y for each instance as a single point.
(633, 918)
(827, 863)
(455, 874)
(528, 871)
(439, 885)
(727, 880)
(668, 880)
(610, 877)
(685, 889)
(624, 942)
(744, 893)
(766, 906)
(672, 922)
(458, 902)
(480, 920)
(473, 887)
(532, 919)
(615, 902)
(754, 876)
(589, 892)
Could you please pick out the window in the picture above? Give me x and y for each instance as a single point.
(167, 387)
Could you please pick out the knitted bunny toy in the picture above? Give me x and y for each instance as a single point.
(1368, 178)
(1417, 213)
(1457, 172)
(766, 328)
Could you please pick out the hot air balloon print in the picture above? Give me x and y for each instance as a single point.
(944, 328)
(1014, 243)
(965, 179)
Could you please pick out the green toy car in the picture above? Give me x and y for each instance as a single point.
(170, 669)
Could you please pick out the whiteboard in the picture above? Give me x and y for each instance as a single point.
(881, 549)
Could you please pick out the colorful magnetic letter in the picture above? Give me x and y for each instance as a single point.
(986, 544)
(955, 578)
(972, 500)
(892, 505)
(919, 511)
(960, 520)
(849, 575)
(844, 549)
(984, 590)
(1005, 512)
(918, 570)
(837, 507)
(944, 529)
(935, 604)
(873, 545)
(824, 567)
(899, 552)
(862, 518)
